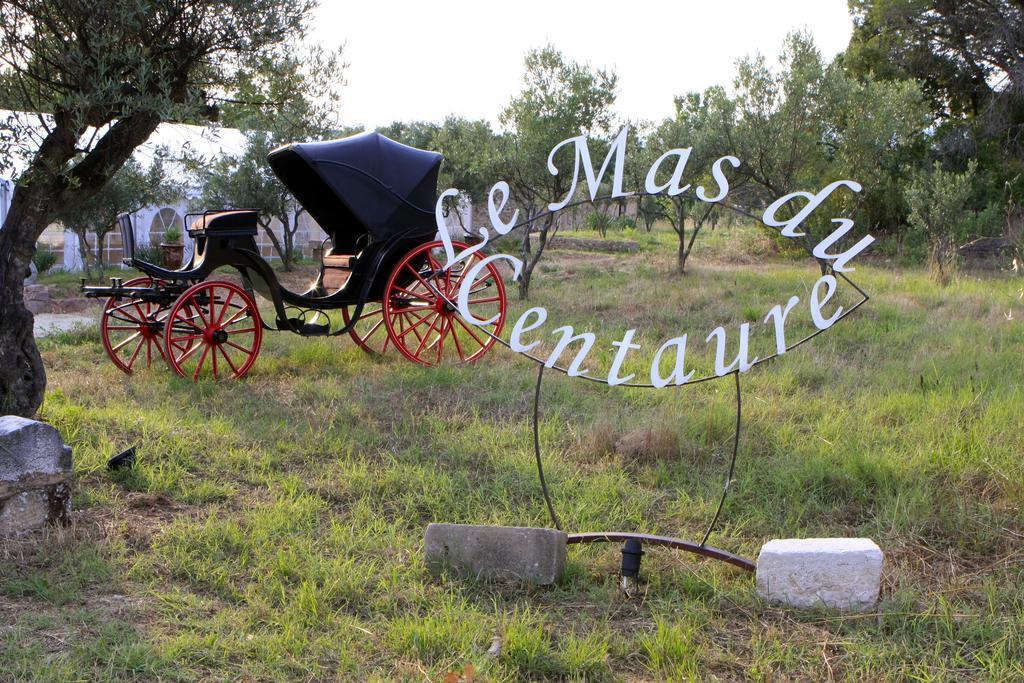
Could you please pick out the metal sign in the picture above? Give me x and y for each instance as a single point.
(668, 367)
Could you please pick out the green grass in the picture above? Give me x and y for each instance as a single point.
(273, 528)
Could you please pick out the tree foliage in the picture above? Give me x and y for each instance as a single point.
(696, 127)
(966, 55)
(132, 188)
(101, 76)
(560, 99)
(938, 206)
(280, 99)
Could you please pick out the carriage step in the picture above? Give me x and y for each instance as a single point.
(314, 330)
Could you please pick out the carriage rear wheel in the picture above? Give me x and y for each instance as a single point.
(370, 333)
(421, 320)
(213, 329)
(131, 329)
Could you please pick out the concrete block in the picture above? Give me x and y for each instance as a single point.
(35, 471)
(835, 573)
(497, 552)
(37, 293)
(37, 298)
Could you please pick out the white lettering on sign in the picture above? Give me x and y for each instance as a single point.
(674, 349)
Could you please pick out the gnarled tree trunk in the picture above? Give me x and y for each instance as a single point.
(22, 378)
(48, 187)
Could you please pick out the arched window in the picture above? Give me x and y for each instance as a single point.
(163, 219)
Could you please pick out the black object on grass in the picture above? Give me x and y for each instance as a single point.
(123, 460)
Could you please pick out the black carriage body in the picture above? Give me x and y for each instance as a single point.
(374, 198)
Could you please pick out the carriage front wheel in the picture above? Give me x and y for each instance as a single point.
(131, 329)
(421, 320)
(214, 329)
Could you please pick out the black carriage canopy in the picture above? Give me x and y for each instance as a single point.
(362, 184)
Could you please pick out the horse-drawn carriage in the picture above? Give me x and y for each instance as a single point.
(381, 268)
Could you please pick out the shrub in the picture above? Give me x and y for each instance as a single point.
(153, 255)
(44, 259)
(938, 209)
(623, 222)
(172, 235)
(599, 221)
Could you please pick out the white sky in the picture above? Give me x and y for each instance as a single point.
(424, 60)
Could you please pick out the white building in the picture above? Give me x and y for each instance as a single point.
(6, 188)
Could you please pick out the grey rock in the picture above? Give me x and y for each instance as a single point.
(497, 553)
(35, 470)
(834, 573)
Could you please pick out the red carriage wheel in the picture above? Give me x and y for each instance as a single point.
(213, 327)
(131, 328)
(422, 325)
(370, 333)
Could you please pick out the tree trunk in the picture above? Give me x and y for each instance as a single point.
(83, 253)
(101, 243)
(45, 192)
(524, 253)
(288, 228)
(22, 376)
(681, 232)
(531, 256)
(268, 229)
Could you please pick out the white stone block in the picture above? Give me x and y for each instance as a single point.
(835, 573)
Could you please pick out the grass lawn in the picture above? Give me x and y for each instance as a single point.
(273, 527)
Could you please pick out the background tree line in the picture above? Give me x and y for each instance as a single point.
(924, 109)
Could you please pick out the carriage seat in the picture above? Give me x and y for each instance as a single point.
(337, 270)
(236, 223)
(339, 261)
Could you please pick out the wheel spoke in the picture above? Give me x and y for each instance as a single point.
(414, 295)
(455, 338)
(415, 325)
(228, 359)
(223, 310)
(420, 278)
(430, 328)
(126, 341)
(202, 359)
(440, 338)
(477, 339)
(373, 329)
(135, 353)
(189, 352)
(240, 348)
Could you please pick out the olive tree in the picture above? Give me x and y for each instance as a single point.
(938, 206)
(695, 127)
(132, 188)
(560, 99)
(94, 79)
(280, 99)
